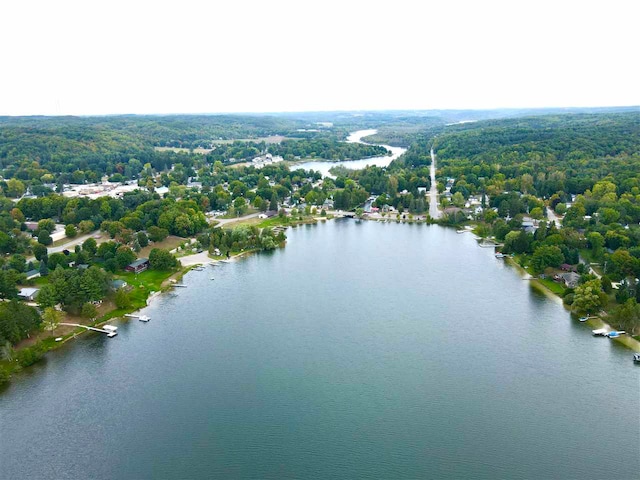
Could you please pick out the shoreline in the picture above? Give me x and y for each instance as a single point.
(48, 344)
(595, 321)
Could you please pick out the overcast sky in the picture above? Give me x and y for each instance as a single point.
(102, 57)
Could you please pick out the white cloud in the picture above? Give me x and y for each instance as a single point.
(152, 57)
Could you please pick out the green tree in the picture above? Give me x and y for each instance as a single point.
(51, 318)
(587, 296)
(273, 206)
(44, 269)
(596, 242)
(5, 376)
(8, 281)
(89, 310)
(90, 246)
(142, 238)
(15, 188)
(86, 226)
(47, 296)
(47, 224)
(39, 251)
(157, 234)
(94, 283)
(124, 256)
(627, 316)
(122, 299)
(44, 238)
(161, 259)
(457, 199)
(546, 256)
(18, 263)
(70, 231)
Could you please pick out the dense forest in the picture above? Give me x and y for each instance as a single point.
(51, 150)
(585, 169)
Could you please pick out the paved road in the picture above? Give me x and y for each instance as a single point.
(552, 217)
(434, 211)
(70, 244)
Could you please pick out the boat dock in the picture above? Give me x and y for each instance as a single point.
(109, 330)
(142, 318)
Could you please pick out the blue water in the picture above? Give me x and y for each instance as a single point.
(361, 350)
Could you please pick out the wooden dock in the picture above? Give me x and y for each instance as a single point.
(109, 333)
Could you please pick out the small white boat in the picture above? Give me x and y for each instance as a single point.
(58, 339)
(110, 328)
(144, 318)
(600, 332)
(212, 278)
(500, 255)
(636, 357)
(583, 319)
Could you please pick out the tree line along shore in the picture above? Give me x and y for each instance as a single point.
(560, 192)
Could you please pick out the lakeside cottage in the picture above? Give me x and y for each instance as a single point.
(138, 266)
(570, 279)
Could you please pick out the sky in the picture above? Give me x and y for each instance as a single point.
(114, 57)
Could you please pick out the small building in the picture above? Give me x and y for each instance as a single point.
(138, 266)
(28, 294)
(32, 274)
(570, 279)
(118, 284)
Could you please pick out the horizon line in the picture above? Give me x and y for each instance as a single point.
(293, 112)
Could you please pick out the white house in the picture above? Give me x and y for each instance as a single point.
(28, 294)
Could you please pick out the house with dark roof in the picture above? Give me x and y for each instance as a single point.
(570, 279)
(138, 266)
(32, 274)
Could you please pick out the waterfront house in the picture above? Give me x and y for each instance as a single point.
(570, 279)
(138, 266)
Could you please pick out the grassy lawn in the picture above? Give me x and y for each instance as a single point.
(555, 287)
(151, 279)
(274, 222)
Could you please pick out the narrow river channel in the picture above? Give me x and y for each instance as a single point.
(355, 137)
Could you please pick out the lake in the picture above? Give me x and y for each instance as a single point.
(360, 350)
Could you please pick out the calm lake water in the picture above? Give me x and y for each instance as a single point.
(361, 350)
